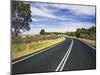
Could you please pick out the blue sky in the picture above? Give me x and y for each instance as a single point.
(60, 17)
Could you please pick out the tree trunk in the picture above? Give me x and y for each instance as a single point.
(15, 32)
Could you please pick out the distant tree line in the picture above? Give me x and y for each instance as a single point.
(89, 33)
(43, 32)
(70, 33)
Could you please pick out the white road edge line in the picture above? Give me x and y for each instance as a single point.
(89, 45)
(36, 53)
(64, 60)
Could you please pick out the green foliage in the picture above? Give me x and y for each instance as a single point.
(89, 33)
(42, 32)
(77, 33)
(70, 33)
(20, 16)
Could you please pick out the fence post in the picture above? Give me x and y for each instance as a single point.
(27, 48)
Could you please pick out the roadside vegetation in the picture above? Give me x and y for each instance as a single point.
(26, 44)
(88, 35)
(92, 42)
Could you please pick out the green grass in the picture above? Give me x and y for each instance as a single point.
(19, 50)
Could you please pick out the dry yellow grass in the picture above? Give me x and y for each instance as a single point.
(25, 49)
(92, 42)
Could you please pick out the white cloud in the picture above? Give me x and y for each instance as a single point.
(33, 31)
(37, 25)
(83, 10)
(72, 26)
(34, 20)
(75, 9)
(40, 12)
(61, 27)
(45, 13)
(78, 9)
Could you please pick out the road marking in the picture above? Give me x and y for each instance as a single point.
(36, 53)
(64, 60)
(89, 45)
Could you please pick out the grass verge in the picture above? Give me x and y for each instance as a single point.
(19, 50)
(92, 42)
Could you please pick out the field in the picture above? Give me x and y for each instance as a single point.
(24, 47)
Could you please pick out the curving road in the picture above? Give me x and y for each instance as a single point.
(71, 54)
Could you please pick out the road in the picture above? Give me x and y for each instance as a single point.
(71, 54)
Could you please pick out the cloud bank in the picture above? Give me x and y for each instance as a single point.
(61, 17)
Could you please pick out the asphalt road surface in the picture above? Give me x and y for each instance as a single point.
(71, 54)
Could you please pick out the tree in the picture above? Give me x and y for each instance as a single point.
(20, 17)
(42, 32)
(77, 33)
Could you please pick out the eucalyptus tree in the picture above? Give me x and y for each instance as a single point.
(20, 16)
(42, 32)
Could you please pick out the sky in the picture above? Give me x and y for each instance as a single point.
(60, 17)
